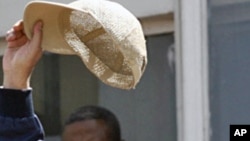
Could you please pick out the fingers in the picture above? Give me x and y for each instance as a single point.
(16, 36)
(18, 26)
(13, 35)
(10, 36)
(17, 42)
(15, 32)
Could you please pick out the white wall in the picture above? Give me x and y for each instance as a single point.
(142, 8)
(12, 10)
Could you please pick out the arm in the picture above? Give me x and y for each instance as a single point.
(17, 118)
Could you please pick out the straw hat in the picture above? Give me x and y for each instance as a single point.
(106, 36)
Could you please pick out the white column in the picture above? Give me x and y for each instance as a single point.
(192, 70)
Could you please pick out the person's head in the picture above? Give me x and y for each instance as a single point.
(92, 123)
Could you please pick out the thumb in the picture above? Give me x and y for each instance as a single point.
(37, 35)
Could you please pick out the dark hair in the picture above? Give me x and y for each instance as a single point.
(95, 112)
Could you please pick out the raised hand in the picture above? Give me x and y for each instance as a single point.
(21, 55)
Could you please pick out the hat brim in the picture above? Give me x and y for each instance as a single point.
(49, 13)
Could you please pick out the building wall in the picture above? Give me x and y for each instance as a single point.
(11, 11)
(77, 85)
(60, 85)
(148, 112)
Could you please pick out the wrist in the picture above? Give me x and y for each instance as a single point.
(12, 81)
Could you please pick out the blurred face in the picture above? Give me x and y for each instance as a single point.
(89, 130)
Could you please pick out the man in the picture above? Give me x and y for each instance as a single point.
(18, 121)
(92, 123)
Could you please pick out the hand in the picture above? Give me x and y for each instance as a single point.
(21, 56)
